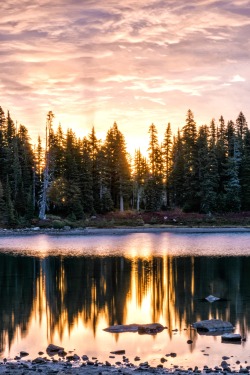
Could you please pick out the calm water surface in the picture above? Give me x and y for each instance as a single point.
(65, 290)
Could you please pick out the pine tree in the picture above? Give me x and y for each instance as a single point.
(140, 177)
(2, 145)
(190, 154)
(86, 178)
(167, 161)
(154, 185)
(10, 211)
(57, 153)
(208, 170)
(98, 171)
(241, 127)
(118, 168)
(2, 205)
(177, 173)
(221, 156)
(245, 173)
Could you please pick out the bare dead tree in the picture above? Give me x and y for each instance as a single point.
(43, 202)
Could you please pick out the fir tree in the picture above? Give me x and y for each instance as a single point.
(118, 168)
(190, 154)
(167, 161)
(245, 173)
(177, 173)
(208, 170)
(154, 185)
(85, 179)
(140, 177)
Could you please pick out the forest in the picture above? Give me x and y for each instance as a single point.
(202, 169)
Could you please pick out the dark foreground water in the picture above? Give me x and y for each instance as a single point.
(66, 290)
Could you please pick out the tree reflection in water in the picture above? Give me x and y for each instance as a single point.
(89, 287)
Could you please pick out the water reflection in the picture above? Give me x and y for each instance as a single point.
(65, 298)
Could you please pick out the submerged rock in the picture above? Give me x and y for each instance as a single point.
(231, 337)
(213, 325)
(23, 354)
(150, 329)
(118, 352)
(212, 298)
(54, 349)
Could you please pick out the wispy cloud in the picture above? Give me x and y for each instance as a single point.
(94, 62)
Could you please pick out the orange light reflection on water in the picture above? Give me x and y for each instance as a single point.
(152, 296)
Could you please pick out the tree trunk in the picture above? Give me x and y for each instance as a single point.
(121, 203)
(138, 201)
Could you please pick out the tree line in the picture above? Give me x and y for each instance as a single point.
(200, 169)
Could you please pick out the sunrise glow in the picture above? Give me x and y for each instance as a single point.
(93, 63)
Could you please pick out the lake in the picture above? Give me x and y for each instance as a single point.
(66, 289)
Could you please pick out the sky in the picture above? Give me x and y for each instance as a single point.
(136, 62)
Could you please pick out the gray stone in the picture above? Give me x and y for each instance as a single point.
(23, 354)
(212, 298)
(151, 328)
(213, 325)
(231, 337)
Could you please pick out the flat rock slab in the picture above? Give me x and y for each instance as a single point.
(150, 329)
(213, 325)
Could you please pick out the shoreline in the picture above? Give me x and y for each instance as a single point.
(93, 231)
(62, 367)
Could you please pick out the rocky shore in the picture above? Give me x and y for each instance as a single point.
(121, 230)
(57, 361)
(80, 367)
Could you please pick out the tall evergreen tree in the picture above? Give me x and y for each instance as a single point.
(140, 177)
(154, 185)
(190, 154)
(177, 172)
(86, 178)
(245, 173)
(167, 161)
(208, 170)
(118, 168)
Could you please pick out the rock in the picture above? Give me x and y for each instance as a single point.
(118, 352)
(173, 355)
(231, 337)
(144, 364)
(74, 357)
(224, 364)
(152, 328)
(40, 353)
(225, 358)
(213, 325)
(39, 360)
(54, 348)
(211, 298)
(137, 359)
(23, 354)
(90, 363)
(85, 357)
(189, 342)
(61, 353)
(107, 363)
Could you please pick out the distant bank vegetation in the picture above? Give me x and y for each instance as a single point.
(203, 170)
